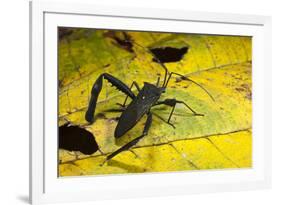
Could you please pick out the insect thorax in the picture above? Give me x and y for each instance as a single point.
(149, 94)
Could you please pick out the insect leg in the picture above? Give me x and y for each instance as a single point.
(96, 89)
(172, 103)
(102, 153)
(133, 84)
(164, 120)
(134, 141)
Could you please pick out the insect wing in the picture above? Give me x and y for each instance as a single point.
(129, 118)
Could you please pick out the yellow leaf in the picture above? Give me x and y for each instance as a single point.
(220, 139)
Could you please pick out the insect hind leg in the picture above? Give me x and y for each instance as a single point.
(96, 89)
(134, 141)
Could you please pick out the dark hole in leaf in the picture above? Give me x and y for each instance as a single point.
(125, 42)
(64, 32)
(75, 138)
(168, 54)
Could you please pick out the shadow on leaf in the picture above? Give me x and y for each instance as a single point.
(128, 167)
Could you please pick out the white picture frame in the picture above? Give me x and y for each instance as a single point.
(46, 187)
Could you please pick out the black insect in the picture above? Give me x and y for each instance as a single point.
(75, 138)
(147, 97)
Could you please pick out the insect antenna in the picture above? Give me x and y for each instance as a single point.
(158, 80)
(166, 81)
(186, 78)
(155, 57)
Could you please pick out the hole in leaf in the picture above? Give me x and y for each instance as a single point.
(168, 54)
(64, 32)
(124, 40)
(75, 138)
